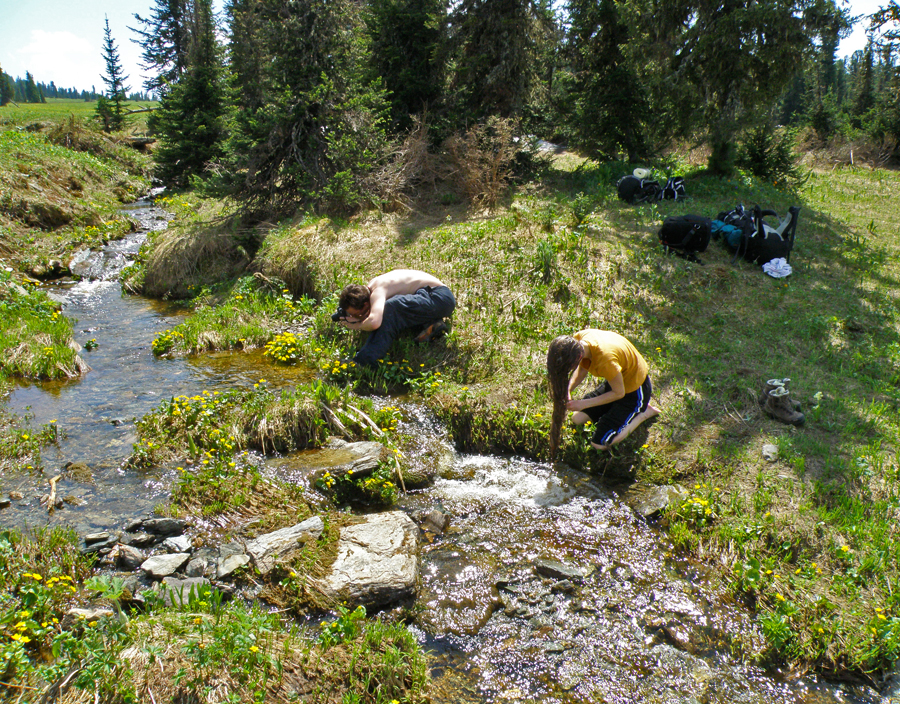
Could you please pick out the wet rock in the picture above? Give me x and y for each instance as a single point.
(100, 545)
(139, 540)
(229, 549)
(563, 586)
(673, 662)
(196, 567)
(79, 472)
(91, 538)
(161, 566)
(16, 495)
(268, 550)
(164, 526)
(178, 543)
(79, 617)
(5, 503)
(649, 500)
(377, 561)
(117, 421)
(227, 565)
(436, 521)
(770, 452)
(557, 570)
(126, 557)
(365, 457)
(675, 603)
(175, 592)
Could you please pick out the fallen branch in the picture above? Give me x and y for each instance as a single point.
(363, 417)
(335, 421)
(51, 497)
(400, 474)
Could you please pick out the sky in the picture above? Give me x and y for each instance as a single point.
(62, 40)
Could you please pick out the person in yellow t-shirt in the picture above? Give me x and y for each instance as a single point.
(619, 404)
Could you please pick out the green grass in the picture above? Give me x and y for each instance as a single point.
(570, 255)
(202, 647)
(57, 109)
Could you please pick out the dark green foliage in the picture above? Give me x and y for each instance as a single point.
(495, 46)
(768, 154)
(32, 95)
(189, 119)
(312, 127)
(111, 106)
(7, 88)
(166, 40)
(609, 108)
(404, 37)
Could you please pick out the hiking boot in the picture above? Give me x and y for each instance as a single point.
(433, 331)
(779, 406)
(775, 384)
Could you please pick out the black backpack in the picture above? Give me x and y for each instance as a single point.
(674, 188)
(685, 235)
(635, 190)
(759, 242)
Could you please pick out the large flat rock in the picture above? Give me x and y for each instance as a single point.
(377, 562)
(268, 550)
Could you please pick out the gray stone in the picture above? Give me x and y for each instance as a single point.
(76, 617)
(648, 500)
(268, 550)
(227, 565)
(177, 543)
(139, 540)
(365, 457)
(436, 521)
(161, 566)
(377, 561)
(196, 567)
(91, 538)
(176, 592)
(164, 526)
(229, 549)
(127, 557)
(770, 452)
(558, 570)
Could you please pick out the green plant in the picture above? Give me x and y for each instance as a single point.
(346, 626)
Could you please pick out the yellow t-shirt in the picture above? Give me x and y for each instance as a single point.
(610, 354)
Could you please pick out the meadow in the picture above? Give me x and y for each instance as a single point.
(806, 540)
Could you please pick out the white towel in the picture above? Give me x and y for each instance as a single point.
(777, 268)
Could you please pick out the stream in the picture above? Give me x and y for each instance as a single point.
(546, 587)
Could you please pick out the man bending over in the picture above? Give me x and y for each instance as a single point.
(399, 300)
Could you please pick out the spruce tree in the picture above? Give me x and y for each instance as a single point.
(190, 117)
(494, 46)
(405, 36)
(165, 38)
(608, 109)
(111, 106)
(7, 88)
(310, 132)
(32, 95)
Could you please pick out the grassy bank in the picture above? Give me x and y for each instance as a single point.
(61, 187)
(807, 540)
(207, 648)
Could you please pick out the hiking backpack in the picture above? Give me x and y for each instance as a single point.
(674, 188)
(748, 234)
(685, 235)
(635, 190)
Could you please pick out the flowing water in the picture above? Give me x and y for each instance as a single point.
(545, 587)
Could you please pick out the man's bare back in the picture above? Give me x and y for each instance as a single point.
(402, 281)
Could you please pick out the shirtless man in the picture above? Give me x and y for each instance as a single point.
(390, 303)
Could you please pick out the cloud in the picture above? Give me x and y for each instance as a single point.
(62, 57)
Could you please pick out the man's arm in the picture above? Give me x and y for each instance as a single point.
(617, 391)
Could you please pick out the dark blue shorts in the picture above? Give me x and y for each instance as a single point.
(409, 311)
(610, 418)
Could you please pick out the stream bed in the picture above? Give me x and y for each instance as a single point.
(546, 587)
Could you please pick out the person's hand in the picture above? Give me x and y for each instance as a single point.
(577, 405)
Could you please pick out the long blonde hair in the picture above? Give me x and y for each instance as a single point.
(562, 357)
